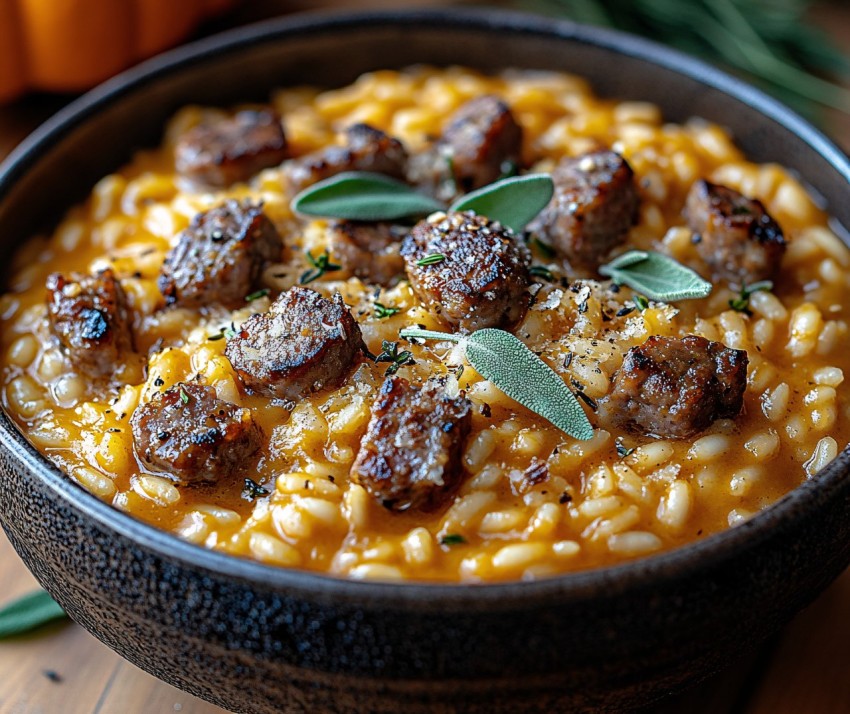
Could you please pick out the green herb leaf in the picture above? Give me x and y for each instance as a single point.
(432, 259)
(321, 265)
(513, 202)
(541, 271)
(640, 302)
(29, 612)
(503, 359)
(452, 539)
(396, 359)
(657, 276)
(257, 295)
(742, 302)
(382, 311)
(253, 490)
(184, 396)
(363, 196)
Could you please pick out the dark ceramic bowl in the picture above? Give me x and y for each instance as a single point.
(254, 638)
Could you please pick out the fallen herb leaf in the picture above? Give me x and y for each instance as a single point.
(28, 613)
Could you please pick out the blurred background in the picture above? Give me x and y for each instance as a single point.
(51, 50)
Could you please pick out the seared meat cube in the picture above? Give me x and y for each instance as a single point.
(365, 149)
(192, 435)
(89, 316)
(468, 270)
(481, 142)
(594, 205)
(220, 256)
(369, 250)
(676, 387)
(411, 454)
(734, 234)
(228, 151)
(304, 343)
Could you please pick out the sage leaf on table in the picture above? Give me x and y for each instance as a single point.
(657, 276)
(28, 613)
(504, 360)
(513, 201)
(363, 196)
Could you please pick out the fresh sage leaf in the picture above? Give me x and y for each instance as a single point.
(657, 276)
(363, 196)
(503, 359)
(28, 613)
(513, 202)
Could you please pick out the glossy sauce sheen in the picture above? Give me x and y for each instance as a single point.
(601, 502)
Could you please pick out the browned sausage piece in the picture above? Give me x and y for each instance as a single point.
(219, 258)
(365, 149)
(189, 433)
(481, 142)
(228, 151)
(594, 205)
(411, 454)
(304, 343)
(734, 234)
(89, 316)
(369, 250)
(676, 387)
(468, 270)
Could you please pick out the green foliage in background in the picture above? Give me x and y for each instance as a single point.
(770, 42)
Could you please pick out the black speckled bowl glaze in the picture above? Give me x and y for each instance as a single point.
(254, 638)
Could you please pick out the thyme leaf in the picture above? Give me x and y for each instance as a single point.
(396, 359)
(431, 259)
(742, 302)
(321, 265)
(382, 311)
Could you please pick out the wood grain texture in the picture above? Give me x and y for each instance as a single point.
(804, 672)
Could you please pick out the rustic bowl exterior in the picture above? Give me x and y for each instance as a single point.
(253, 638)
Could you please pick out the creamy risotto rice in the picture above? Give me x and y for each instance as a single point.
(532, 501)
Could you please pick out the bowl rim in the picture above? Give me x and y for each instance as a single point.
(675, 563)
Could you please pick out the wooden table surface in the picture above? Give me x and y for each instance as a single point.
(64, 670)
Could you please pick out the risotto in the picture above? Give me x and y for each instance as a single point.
(191, 350)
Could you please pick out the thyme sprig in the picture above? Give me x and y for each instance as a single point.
(321, 265)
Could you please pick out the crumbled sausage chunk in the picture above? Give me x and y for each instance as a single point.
(227, 151)
(734, 235)
(676, 387)
(192, 435)
(304, 343)
(594, 205)
(410, 457)
(220, 256)
(365, 149)
(481, 142)
(369, 250)
(89, 316)
(469, 270)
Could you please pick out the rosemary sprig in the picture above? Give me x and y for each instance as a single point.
(770, 40)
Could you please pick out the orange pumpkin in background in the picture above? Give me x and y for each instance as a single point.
(71, 45)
